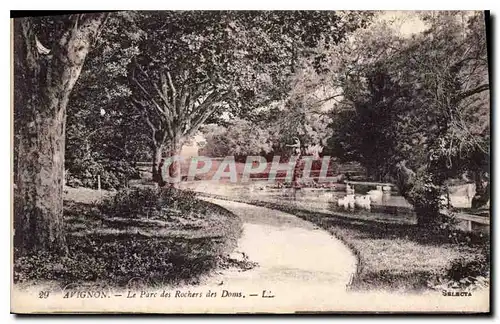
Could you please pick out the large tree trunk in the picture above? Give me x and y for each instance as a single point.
(173, 114)
(40, 184)
(425, 201)
(46, 80)
(157, 152)
(482, 196)
(174, 150)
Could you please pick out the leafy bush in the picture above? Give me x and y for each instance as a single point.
(450, 232)
(116, 261)
(148, 202)
(462, 268)
(132, 203)
(464, 274)
(100, 252)
(179, 199)
(114, 174)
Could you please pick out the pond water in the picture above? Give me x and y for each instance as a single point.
(258, 191)
(386, 208)
(324, 198)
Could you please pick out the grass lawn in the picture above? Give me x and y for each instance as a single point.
(119, 240)
(395, 257)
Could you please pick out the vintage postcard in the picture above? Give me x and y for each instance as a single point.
(231, 162)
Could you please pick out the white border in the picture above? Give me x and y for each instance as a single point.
(5, 146)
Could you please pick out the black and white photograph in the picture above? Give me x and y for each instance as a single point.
(251, 161)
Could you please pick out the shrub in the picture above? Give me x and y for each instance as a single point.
(116, 261)
(462, 268)
(73, 181)
(179, 199)
(132, 203)
(148, 202)
(464, 274)
(108, 254)
(114, 174)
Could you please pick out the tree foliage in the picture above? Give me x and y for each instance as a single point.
(194, 65)
(240, 138)
(416, 109)
(104, 136)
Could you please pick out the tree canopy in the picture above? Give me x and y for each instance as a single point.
(416, 109)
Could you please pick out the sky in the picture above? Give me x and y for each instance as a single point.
(406, 22)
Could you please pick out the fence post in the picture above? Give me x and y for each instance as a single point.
(99, 182)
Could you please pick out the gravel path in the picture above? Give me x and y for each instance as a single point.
(293, 256)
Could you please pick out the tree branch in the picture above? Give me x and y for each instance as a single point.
(162, 118)
(171, 84)
(182, 102)
(140, 107)
(329, 98)
(203, 104)
(471, 92)
(209, 108)
(147, 95)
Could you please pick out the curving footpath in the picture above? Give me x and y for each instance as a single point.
(296, 261)
(306, 270)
